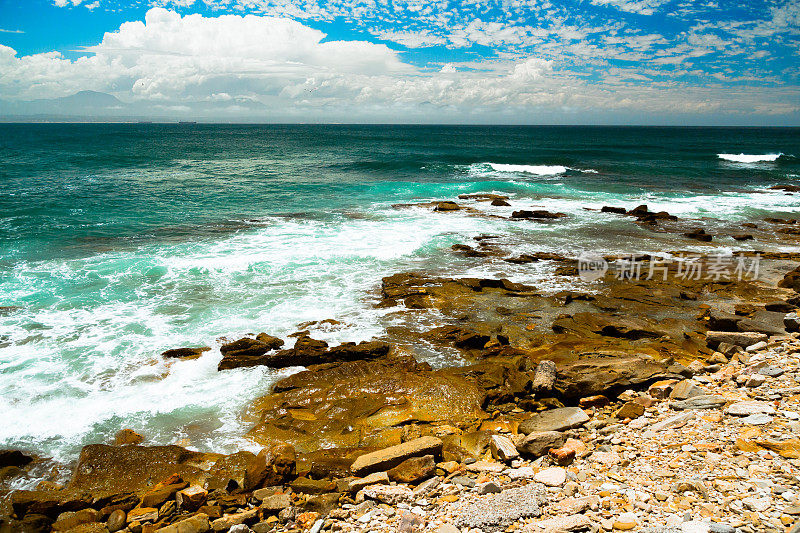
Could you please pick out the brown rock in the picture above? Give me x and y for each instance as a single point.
(394, 455)
(413, 469)
(127, 436)
(446, 206)
(537, 214)
(593, 401)
(14, 458)
(539, 443)
(630, 410)
(185, 353)
(83, 516)
(198, 523)
(499, 202)
(191, 498)
(143, 514)
(116, 521)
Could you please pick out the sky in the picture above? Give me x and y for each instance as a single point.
(710, 62)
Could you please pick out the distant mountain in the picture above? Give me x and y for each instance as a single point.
(88, 99)
(82, 103)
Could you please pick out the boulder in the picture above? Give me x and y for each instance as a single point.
(394, 455)
(559, 419)
(539, 443)
(743, 339)
(446, 206)
(125, 437)
(247, 352)
(198, 523)
(413, 469)
(185, 353)
(191, 498)
(14, 458)
(611, 209)
(104, 469)
(791, 280)
(601, 372)
(792, 322)
(500, 203)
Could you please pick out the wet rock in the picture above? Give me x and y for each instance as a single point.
(126, 437)
(413, 469)
(743, 237)
(539, 214)
(482, 196)
(394, 455)
(143, 514)
(305, 485)
(544, 377)
(308, 351)
(791, 280)
(554, 420)
(14, 458)
(117, 521)
(699, 235)
(185, 353)
(446, 206)
(275, 503)
(84, 516)
(500, 203)
(228, 521)
(376, 478)
(596, 374)
(192, 498)
(275, 465)
(247, 352)
(611, 209)
(163, 491)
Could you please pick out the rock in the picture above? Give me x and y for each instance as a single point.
(185, 353)
(757, 419)
(626, 522)
(500, 203)
(757, 504)
(694, 485)
(595, 374)
(630, 410)
(705, 401)
(743, 339)
(394, 455)
(163, 491)
(615, 210)
(388, 494)
(447, 528)
(230, 520)
(247, 352)
(305, 485)
(308, 351)
(552, 477)
(662, 389)
(491, 512)
(749, 408)
(792, 322)
(788, 449)
(686, 389)
(195, 524)
(538, 443)
(446, 206)
(544, 377)
(699, 235)
(743, 237)
(104, 469)
(84, 516)
(574, 522)
(275, 465)
(276, 503)
(489, 487)
(230, 472)
(413, 469)
(597, 400)
(376, 478)
(14, 458)
(143, 514)
(695, 526)
(192, 498)
(780, 306)
(126, 437)
(555, 420)
(537, 214)
(116, 521)
(502, 448)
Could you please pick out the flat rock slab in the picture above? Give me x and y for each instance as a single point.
(555, 420)
(494, 512)
(743, 339)
(552, 477)
(576, 522)
(394, 455)
(706, 401)
(749, 408)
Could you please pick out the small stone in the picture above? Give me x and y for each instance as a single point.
(630, 410)
(502, 448)
(625, 522)
(488, 487)
(757, 504)
(142, 514)
(706, 401)
(388, 494)
(552, 477)
(758, 419)
(413, 469)
(686, 389)
(695, 526)
(375, 478)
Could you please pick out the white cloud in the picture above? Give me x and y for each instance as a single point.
(641, 7)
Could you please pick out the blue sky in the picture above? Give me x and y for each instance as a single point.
(531, 61)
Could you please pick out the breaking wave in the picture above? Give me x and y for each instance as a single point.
(749, 158)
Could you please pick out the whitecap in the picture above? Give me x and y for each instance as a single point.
(539, 170)
(750, 158)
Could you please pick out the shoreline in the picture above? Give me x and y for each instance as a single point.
(525, 351)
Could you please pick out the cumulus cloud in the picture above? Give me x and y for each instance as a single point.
(258, 67)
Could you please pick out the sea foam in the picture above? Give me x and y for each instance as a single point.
(750, 158)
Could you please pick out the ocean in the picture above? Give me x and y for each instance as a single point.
(119, 241)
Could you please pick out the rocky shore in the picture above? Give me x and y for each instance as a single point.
(634, 403)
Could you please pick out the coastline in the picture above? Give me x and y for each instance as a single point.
(610, 344)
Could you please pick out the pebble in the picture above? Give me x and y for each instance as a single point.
(552, 477)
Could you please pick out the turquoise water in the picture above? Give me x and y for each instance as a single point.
(120, 241)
